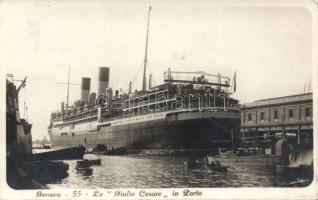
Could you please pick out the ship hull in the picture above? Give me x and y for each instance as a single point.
(182, 130)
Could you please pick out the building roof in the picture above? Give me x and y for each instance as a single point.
(280, 100)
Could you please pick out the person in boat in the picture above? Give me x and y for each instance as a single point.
(215, 164)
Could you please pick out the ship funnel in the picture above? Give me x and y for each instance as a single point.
(86, 85)
(103, 80)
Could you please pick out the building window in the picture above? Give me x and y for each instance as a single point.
(307, 112)
(275, 114)
(249, 117)
(290, 113)
(262, 115)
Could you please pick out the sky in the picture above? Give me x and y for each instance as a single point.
(270, 48)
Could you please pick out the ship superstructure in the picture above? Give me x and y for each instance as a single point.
(190, 110)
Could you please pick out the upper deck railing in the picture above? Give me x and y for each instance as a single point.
(197, 78)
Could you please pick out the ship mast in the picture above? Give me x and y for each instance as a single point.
(144, 82)
(68, 86)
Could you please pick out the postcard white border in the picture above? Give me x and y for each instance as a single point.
(309, 192)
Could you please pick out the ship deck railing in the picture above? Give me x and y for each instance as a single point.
(138, 110)
(210, 109)
(134, 114)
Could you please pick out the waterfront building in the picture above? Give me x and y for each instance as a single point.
(290, 117)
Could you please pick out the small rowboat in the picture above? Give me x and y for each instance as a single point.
(216, 166)
(85, 171)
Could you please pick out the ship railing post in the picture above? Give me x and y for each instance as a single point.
(99, 110)
(224, 101)
(209, 100)
(190, 101)
(214, 101)
(199, 103)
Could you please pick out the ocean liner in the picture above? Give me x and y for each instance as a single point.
(190, 110)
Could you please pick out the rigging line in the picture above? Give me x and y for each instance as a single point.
(154, 82)
(136, 74)
(220, 126)
(24, 102)
(115, 83)
(24, 105)
(153, 74)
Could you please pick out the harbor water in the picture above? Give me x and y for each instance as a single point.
(136, 171)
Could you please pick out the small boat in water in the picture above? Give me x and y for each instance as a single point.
(215, 165)
(195, 162)
(218, 168)
(116, 152)
(86, 171)
(87, 163)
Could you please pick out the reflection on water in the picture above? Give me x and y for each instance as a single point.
(134, 171)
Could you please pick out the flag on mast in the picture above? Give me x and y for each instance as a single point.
(234, 82)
